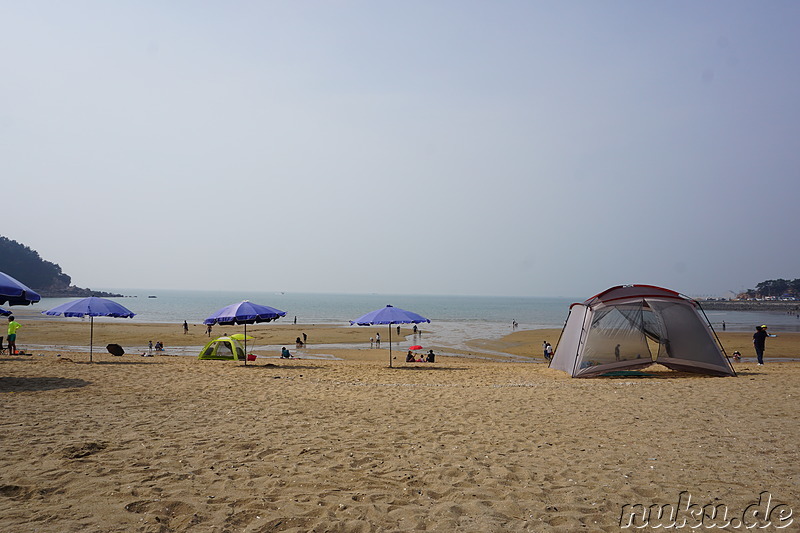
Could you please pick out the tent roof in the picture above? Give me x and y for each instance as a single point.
(621, 292)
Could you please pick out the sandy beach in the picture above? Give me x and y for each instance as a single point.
(176, 444)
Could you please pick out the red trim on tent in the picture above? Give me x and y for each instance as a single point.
(667, 293)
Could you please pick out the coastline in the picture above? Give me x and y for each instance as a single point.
(70, 338)
(749, 305)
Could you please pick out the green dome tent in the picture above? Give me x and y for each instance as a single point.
(222, 348)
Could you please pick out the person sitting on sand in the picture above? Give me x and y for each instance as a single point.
(159, 346)
(285, 353)
(409, 357)
(737, 356)
(431, 356)
(298, 343)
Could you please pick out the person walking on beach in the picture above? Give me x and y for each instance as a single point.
(305, 338)
(185, 328)
(208, 330)
(759, 342)
(13, 326)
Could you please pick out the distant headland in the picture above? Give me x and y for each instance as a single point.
(769, 295)
(750, 305)
(45, 277)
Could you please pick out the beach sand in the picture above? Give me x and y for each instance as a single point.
(176, 444)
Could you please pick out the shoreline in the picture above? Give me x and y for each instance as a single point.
(70, 337)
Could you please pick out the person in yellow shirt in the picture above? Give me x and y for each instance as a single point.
(13, 326)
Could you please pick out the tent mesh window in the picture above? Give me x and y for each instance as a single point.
(694, 341)
(616, 334)
(224, 349)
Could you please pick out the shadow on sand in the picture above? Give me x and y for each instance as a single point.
(429, 366)
(273, 366)
(8, 384)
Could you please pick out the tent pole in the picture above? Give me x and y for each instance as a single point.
(91, 336)
(390, 345)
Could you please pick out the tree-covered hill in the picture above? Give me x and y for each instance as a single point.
(774, 288)
(45, 277)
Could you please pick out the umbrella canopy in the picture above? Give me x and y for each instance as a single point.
(389, 315)
(16, 293)
(244, 313)
(91, 307)
(4, 312)
(415, 347)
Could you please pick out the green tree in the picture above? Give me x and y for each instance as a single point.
(24, 264)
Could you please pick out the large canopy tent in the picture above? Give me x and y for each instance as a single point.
(634, 326)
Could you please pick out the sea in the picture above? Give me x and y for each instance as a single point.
(454, 319)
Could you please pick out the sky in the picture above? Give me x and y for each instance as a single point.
(511, 148)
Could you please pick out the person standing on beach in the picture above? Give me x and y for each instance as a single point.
(759, 342)
(13, 326)
(185, 328)
(208, 330)
(378, 340)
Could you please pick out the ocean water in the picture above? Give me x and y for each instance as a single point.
(170, 306)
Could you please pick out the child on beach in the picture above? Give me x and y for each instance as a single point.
(13, 326)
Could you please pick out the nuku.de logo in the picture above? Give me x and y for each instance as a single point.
(685, 514)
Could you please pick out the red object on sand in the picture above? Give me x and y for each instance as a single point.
(415, 347)
(251, 357)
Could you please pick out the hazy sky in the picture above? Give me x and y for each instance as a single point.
(426, 147)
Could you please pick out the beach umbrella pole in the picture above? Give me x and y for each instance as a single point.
(245, 345)
(91, 336)
(390, 346)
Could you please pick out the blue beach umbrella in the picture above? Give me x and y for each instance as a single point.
(91, 307)
(389, 315)
(16, 293)
(4, 312)
(245, 312)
